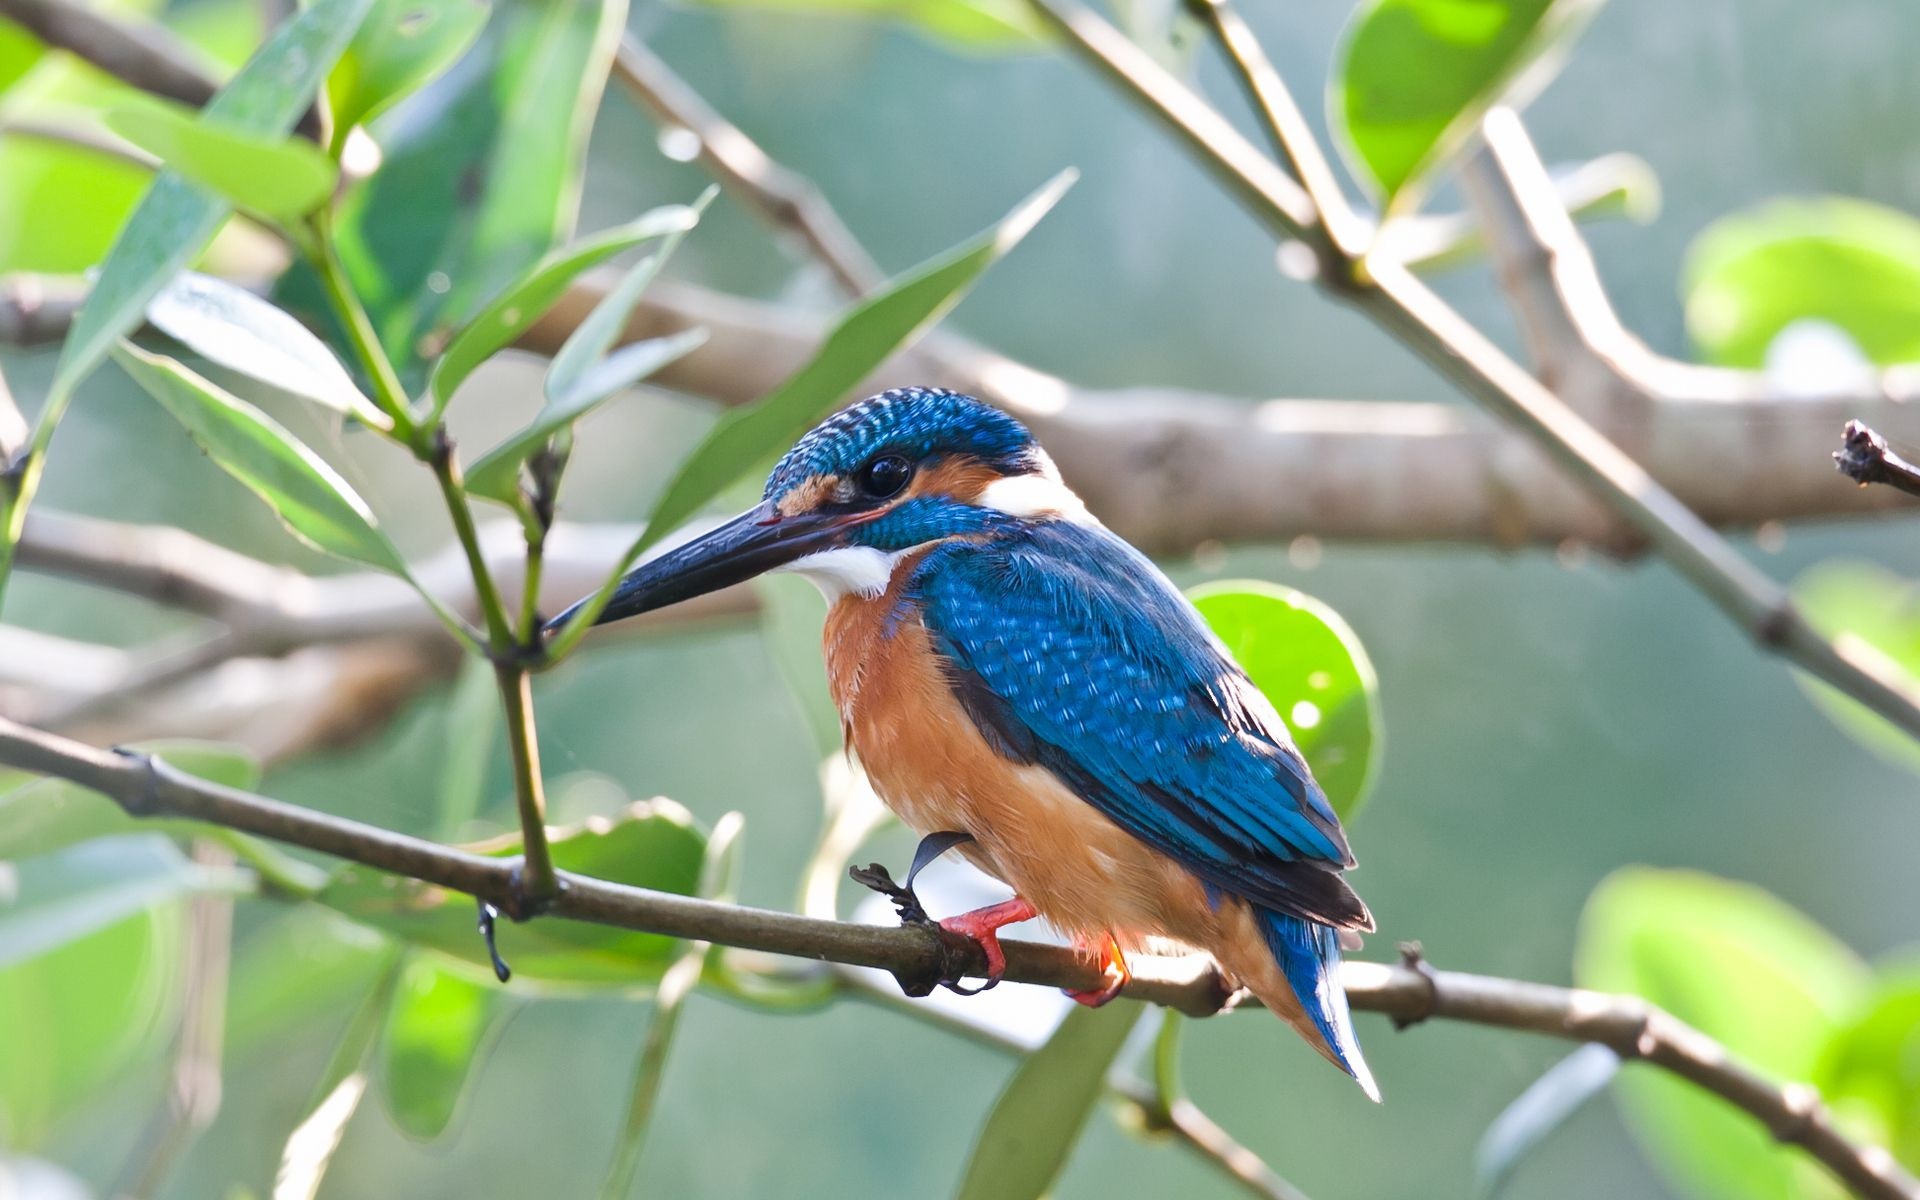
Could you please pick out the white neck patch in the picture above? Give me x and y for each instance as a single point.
(847, 570)
(1037, 494)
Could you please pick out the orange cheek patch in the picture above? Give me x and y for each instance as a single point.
(808, 495)
(956, 479)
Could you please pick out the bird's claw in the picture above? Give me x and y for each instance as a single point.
(877, 878)
(978, 927)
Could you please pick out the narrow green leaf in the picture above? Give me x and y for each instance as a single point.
(589, 342)
(1536, 1113)
(439, 1029)
(401, 45)
(1848, 262)
(497, 474)
(480, 175)
(309, 496)
(1748, 971)
(1869, 1071)
(231, 326)
(526, 300)
(57, 898)
(310, 1147)
(653, 845)
(1876, 612)
(1310, 664)
(981, 26)
(176, 218)
(1038, 1117)
(861, 341)
(283, 177)
(1413, 78)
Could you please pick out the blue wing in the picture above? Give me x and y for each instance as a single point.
(1070, 650)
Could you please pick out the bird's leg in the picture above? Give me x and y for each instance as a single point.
(1117, 974)
(879, 879)
(982, 925)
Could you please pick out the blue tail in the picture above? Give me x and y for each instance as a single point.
(1309, 954)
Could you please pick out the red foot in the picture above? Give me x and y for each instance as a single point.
(983, 926)
(1117, 973)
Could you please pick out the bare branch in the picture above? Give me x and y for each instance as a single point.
(1415, 315)
(1865, 458)
(782, 198)
(150, 58)
(147, 786)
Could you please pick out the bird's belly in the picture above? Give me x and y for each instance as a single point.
(929, 763)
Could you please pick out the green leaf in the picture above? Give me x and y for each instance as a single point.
(985, 26)
(1848, 262)
(231, 326)
(305, 964)
(1038, 1117)
(1869, 1071)
(309, 496)
(1413, 79)
(176, 218)
(481, 173)
(497, 474)
(1877, 613)
(571, 372)
(1310, 664)
(652, 845)
(1749, 972)
(527, 299)
(97, 1006)
(282, 177)
(440, 1026)
(54, 899)
(1535, 1114)
(401, 45)
(863, 339)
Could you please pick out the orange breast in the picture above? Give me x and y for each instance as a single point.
(931, 765)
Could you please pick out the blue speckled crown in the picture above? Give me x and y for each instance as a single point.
(914, 422)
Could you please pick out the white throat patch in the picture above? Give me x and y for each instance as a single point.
(847, 570)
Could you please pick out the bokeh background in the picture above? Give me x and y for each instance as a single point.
(1548, 718)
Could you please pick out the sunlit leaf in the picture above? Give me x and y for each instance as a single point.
(1749, 972)
(862, 340)
(1038, 1117)
(401, 45)
(1310, 664)
(439, 1028)
(1869, 1072)
(526, 300)
(309, 496)
(1876, 613)
(653, 845)
(176, 218)
(231, 326)
(1538, 1112)
(1413, 78)
(1846, 262)
(284, 177)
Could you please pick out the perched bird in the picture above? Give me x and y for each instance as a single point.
(1015, 676)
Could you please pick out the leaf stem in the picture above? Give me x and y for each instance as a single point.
(388, 392)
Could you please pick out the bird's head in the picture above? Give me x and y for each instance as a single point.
(892, 473)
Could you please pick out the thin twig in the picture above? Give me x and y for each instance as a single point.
(148, 786)
(782, 198)
(1865, 458)
(1426, 324)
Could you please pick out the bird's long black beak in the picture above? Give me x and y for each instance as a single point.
(751, 544)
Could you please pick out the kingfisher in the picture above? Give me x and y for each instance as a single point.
(1023, 685)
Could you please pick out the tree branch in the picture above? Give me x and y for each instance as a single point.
(1416, 316)
(784, 199)
(1865, 458)
(147, 786)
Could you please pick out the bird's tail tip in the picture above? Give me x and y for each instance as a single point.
(1309, 956)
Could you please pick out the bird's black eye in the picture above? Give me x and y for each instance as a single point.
(885, 476)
